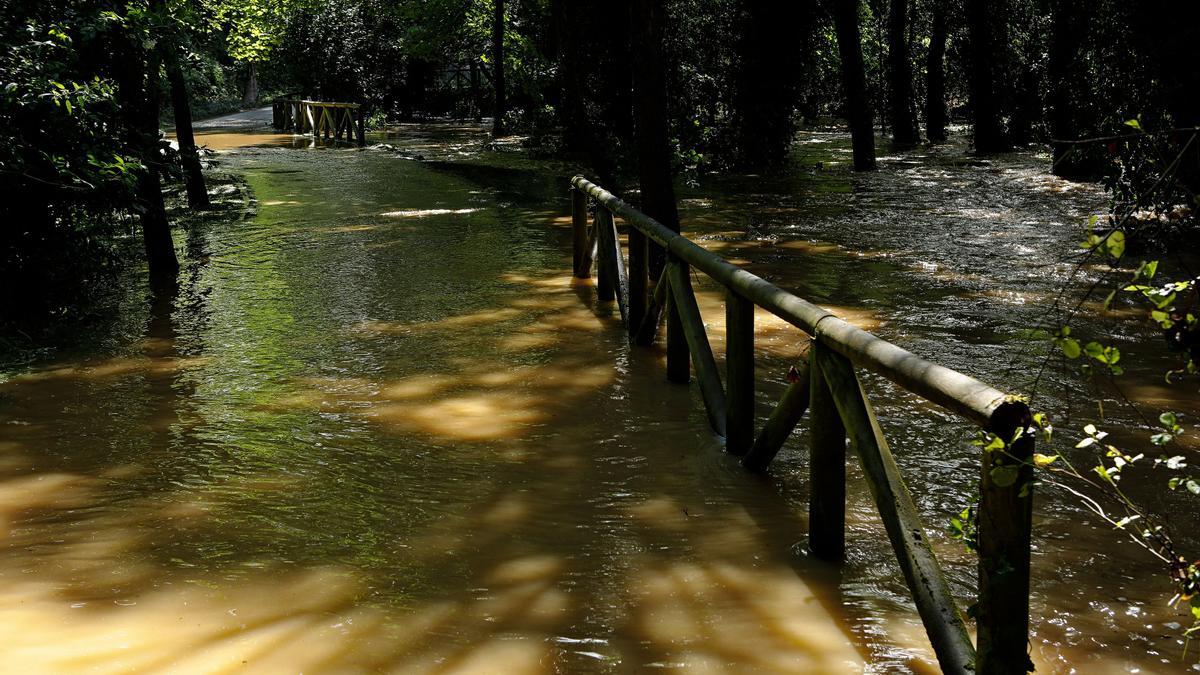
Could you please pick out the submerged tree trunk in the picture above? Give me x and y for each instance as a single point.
(650, 120)
(985, 111)
(900, 78)
(251, 94)
(498, 67)
(935, 76)
(196, 191)
(854, 81)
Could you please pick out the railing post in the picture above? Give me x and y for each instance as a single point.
(579, 235)
(361, 127)
(1005, 523)
(678, 357)
(639, 278)
(606, 284)
(826, 467)
(739, 373)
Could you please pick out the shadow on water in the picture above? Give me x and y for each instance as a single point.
(379, 427)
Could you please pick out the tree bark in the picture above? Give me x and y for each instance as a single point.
(476, 100)
(935, 76)
(650, 121)
(136, 71)
(854, 81)
(197, 192)
(985, 113)
(767, 83)
(498, 67)
(900, 78)
(250, 97)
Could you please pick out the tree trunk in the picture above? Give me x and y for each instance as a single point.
(196, 191)
(854, 81)
(650, 120)
(900, 84)
(476, 100)
(136, 72)
(935, 76)
(251, 95)
(768, 79)
(985, 113)
(498, 68)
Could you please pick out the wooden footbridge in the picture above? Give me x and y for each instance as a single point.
(829, 390)
(332, 121)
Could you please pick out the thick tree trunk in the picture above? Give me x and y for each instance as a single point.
(1064, 72)
(650, 120)
(251, 94)
(900, 84)
(935, 76)
(854, 81)
(135, 70)
(498, 68)
(767, 81)
(196, 191)
(985, 110)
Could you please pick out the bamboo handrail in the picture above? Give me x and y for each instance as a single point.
(948, 388)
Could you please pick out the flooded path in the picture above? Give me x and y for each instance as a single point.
(380, 428)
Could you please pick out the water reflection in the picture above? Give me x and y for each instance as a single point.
(380, 428)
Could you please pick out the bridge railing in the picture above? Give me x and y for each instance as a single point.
(829, 390)
(333, 121)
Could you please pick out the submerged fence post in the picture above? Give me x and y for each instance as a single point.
(826, 467)
(639, 278)
(739, 373)
(1004, 526)
(579, 235)
(606, 284)
(678, 356)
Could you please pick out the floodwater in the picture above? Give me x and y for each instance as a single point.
(380, 428)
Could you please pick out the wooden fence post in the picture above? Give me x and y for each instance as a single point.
(611, 261)
(697, 341)
(739, 373)
(605, 283)
(639, 279)
(678, 359)
(1004, 527)
(943, 622)
(782, 421)
(361, 126)
(579, 235)
(826, 467)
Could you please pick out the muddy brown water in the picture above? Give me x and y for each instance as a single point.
(380, 428)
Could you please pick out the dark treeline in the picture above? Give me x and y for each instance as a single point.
(649, 88)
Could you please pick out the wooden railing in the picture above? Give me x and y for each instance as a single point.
(829, 390)
(336, 121)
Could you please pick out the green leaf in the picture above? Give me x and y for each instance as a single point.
(1135, 124)
(1004, 476)
(1070, 347)
(1116, 244)
(1041, 460)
